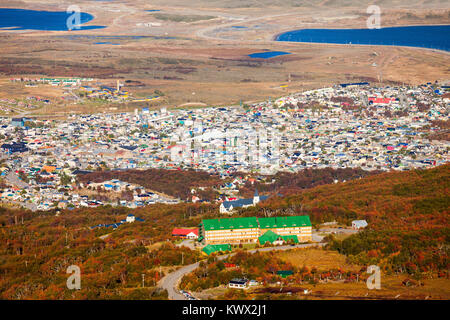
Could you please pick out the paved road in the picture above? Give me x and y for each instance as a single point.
(337, 230)
(170, 281)
(14, 180)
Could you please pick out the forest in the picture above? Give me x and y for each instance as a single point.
(292, 182)
(37, 248)
(408, 233)
(175, 183)
(407, 213)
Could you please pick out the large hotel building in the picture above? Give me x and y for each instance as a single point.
(247, 230)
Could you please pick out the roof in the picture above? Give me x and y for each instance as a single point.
(284, 222)
(231, 223)
(242, 202)
(238, 203)
(289, 238)
(49, 169)
(238, 281)
(253, 222)
(210, 248)
(269, 236)
(360, 223)
(285, 273)
(184, 232)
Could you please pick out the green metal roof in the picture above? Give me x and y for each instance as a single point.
(284, 222)
(269, 236)
(210, 248)
(293, 238)
(253, 222)
(285, 273)
(231, 223)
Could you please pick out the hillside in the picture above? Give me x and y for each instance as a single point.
(293, 182)
(175, 183)
(407, 213)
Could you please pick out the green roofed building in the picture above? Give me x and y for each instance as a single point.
(290, 239)
(273, 238)
(250, 229)
(270, 237)
(285, 273)
(288, 226)
(211, 248)
(232, 230)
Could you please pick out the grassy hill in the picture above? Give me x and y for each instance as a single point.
(407, 213)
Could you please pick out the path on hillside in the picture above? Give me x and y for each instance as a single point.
(170, 282)
(202, 33)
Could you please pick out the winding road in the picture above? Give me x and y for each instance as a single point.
(170, 282)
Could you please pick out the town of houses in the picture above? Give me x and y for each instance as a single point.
(353, 125)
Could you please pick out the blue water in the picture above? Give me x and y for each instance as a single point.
(434, 37)
(267, 54)
(21, 19)
(239, 27)
(153, 10)
(113, 43)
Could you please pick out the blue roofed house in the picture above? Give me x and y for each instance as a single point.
(229, 206)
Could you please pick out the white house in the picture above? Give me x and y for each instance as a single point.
(238, 284)
(228, 206)
(359, 224)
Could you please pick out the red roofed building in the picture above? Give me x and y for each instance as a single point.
(377, 100)
(185, 233)
(229, 265)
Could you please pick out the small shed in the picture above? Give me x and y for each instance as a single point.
(359, 224)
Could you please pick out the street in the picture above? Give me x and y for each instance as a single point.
(170, 281)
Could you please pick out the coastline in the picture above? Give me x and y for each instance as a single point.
(275, 38)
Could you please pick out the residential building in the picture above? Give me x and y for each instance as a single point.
(229, 206)
(249, 229)
(359, 224)
(238, 283)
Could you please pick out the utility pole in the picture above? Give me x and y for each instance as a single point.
(143, 280)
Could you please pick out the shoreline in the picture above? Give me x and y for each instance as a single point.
(275, 38)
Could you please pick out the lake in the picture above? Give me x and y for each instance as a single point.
(267, 54)
(433, 37)
(22, 19)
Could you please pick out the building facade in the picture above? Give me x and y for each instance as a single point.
(229, 206)
(249, 229)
